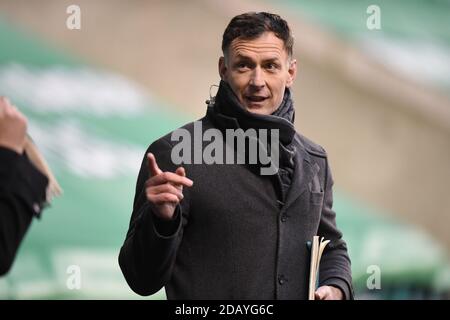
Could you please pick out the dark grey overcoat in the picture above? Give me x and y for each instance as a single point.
(232, 238)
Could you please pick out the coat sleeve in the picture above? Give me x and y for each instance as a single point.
(335, 265)
(22, 196)
(149, 250)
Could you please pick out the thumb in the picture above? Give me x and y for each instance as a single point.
(320, 293)
(152, 165)
(181, 172)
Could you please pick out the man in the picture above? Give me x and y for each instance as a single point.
(22, 185)
(229, 231)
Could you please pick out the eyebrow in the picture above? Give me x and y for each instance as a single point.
(243, 57)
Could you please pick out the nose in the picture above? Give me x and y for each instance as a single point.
(257, 78)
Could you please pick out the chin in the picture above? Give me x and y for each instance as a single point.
(257, 111)
(257, 108)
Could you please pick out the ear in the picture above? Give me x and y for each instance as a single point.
(292, 73)
(222, 68)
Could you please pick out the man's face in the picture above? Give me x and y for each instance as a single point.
(258, 71)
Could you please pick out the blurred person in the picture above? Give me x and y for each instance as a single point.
(25, 182)
(228, 231)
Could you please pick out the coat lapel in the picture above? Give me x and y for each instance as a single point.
(304, 172)
(305, 167)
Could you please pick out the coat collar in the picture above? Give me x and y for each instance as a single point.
(230, 114)
(305, 167)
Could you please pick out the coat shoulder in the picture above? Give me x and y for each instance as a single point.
(312, 148)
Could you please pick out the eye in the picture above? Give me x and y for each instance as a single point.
(271, 66)
(242, 65)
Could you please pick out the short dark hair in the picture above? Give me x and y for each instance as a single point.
(251, 25)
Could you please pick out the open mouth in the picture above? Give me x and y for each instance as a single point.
(255, 98)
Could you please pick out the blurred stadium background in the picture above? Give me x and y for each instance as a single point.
(96, 98)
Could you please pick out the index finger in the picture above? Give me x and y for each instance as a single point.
(152, 165)
(5, 101)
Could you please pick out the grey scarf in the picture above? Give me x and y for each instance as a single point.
(226, 106)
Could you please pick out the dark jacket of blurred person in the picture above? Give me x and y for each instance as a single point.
(22, 185)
